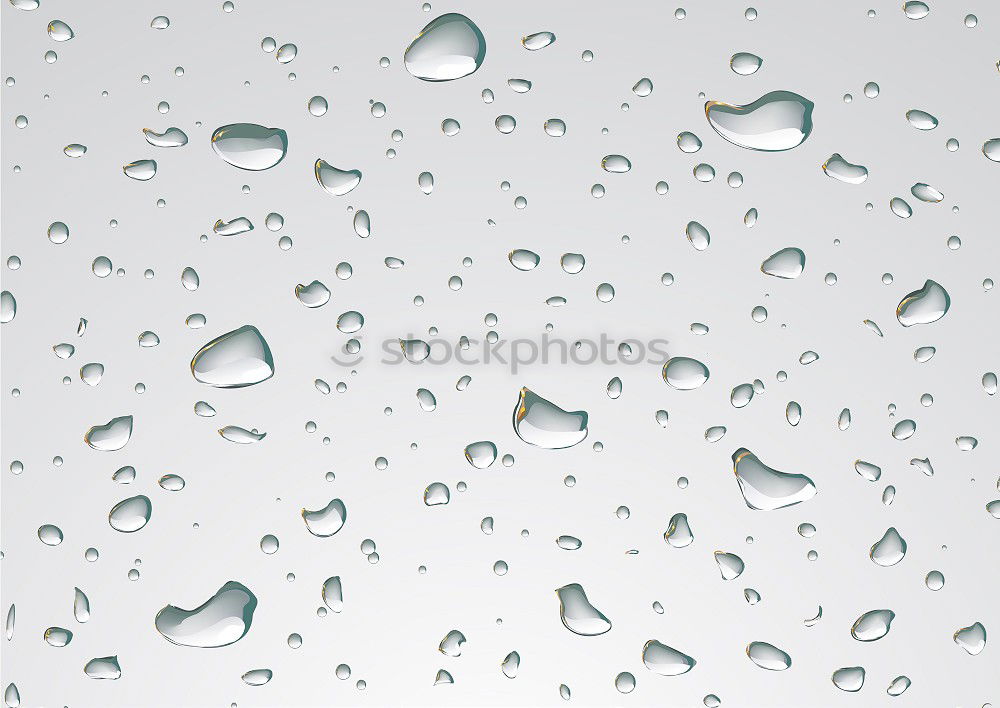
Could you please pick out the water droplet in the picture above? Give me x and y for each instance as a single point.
(130, 515)
(625, 682)
(249, 146)
(744, 63)
(768, 489)
(447, 48)
(730, 565)
(921, 120)
(220, 621)
(538, 40)
(971, 638)
(315, 294)
(779, 120)
(141, 170)
(849, 678)
(678, 533)
(171, 137)
(898, 686)
(872, 625)
(59, 31)
(840, 169)
(616, 163)
(697, 235)
(926, 193)
(578, 615)
(103, 667)
(643, 87)
(542, 423)
(664, 660)
(257, 677)
(767, 656)
(234, 360)
(333, 594)
(915, 10)
(684, 373)
(326, 521)
(923, 306)
(556, 128)
(334, 180)
(111, 436)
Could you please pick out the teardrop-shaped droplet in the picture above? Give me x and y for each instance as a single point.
(426, 399)
(171, 137)
(257, 677)
(793, 413)
(921, 120)
(744, 63)
(544, 424)
(664, 660)
(57, 636)
(111, 436)
(849, 678)
(578, 615)
(678, 533)
(900, 208)
(767, 489)
(779, 120)
(59, 31)
(334, 180)
(767, 656)
(92, 373)
(449, 47)
(843, 171)
(684, 373)
(898, 686)
(141, 170)
(240, 225)
(315, 294)
(443, 677)
(643, 87)
(233, 360)
(991, 149)
(538, 40)
(415, 350)
(730, 565)
(924, 306)
(697, 235)
(130, 515)
(249, 146)
(81, 606)
(220, 621)
(867, 470)
(741, 395)
(326, 521)
(872, 625)
(890, 549)
(971, 638)
(362, 224)
(510, 665)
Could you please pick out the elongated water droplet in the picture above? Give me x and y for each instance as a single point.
(843, 171)
(234, 360)
(569, 543)
(793, 413)
(449, 47)
(221, 620)
(872, 625)
(523, 259)
(542, 423)
(697, 235)
(616, 163)
(510, 665)
(768, 489)
(333, 594)
(334, 180)
(767, 656)
(111, 436)
(921, 120)
(141, 170)
(249, 146)
(924, 306)
(926, 193)
(57, 636)
(171, 137)
(779, 120)
(900, 208)
(664, 660)
(257, 677)
(898, 686)
(538, 40)
(237, 226)
(578, 615)
(868, 470)
(103, 667)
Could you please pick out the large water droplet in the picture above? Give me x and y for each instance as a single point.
(578, 615)
(766, 489)
(890, 549)
(971, 638)
(849, 678)
(111, 436)
(664, 660)
(872, 625)
(923, 306)
(767, 656)
(544, 424)
(779, 120)
(130, 515)
(250, 146)
(844, 171)
(334, 180)
(447, 48)
(233, 360)
(684, 373)
(220, 621)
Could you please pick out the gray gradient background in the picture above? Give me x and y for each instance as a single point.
(394, 617)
